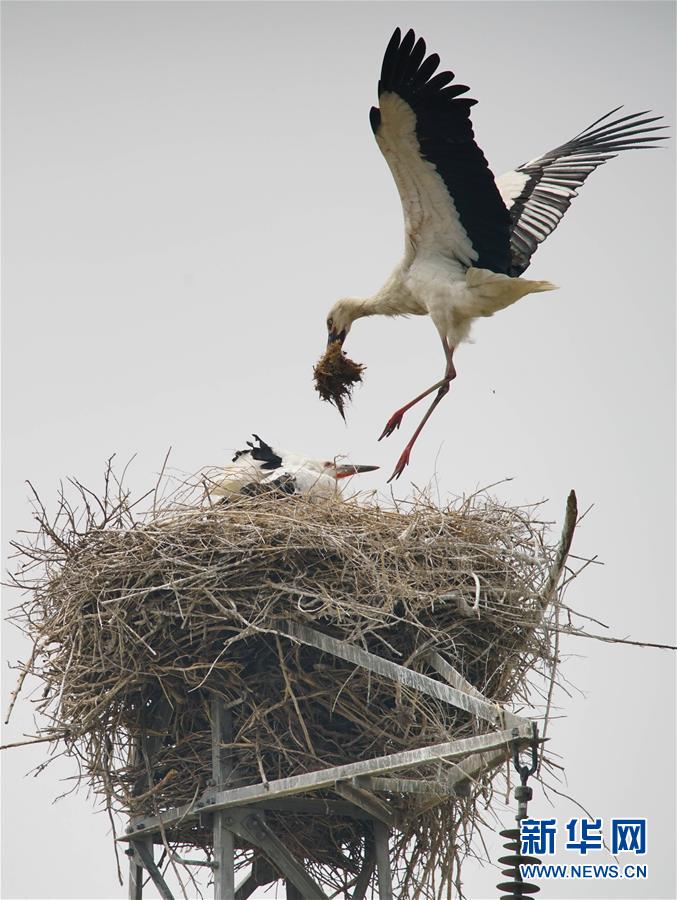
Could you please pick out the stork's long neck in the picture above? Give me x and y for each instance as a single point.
(394, 299)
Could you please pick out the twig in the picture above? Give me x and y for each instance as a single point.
(37, 740)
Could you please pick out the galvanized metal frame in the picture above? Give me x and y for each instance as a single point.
(224, 839)
(241, 811)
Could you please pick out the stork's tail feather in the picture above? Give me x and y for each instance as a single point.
(536, 286)
(491, 291)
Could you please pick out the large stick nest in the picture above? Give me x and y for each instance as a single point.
(139, 619)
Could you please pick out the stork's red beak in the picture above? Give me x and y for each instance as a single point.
(347, 471)
(334, 336)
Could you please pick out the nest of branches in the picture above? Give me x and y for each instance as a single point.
(139, 619)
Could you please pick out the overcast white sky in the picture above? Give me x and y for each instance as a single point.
(187, 189)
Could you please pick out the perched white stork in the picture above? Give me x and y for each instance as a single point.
(469, 237)
(260, 468)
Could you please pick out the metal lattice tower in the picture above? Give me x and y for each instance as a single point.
(362, 787)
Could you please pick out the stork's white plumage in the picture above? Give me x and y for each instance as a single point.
(261, 468)
(469, 237)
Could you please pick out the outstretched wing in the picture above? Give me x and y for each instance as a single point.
(450, 200)
(538, 193)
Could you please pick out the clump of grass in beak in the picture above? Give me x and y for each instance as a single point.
(336, 375)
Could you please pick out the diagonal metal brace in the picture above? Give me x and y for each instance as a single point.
(469, 702)
(246, 888)
(368, 866)
(452, 675)
(360, 796)
(251, 825)
(262, 873)
(145, 854)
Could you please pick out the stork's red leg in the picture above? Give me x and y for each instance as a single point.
(395, 420)
(404, 458)
(443, 389)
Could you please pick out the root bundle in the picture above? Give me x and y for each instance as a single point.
(336, 375)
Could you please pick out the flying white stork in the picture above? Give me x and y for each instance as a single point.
(468, 237)
(259, 469)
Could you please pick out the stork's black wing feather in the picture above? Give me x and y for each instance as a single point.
(261, 452)
(283, 484)
(475, 225)
(538, 193)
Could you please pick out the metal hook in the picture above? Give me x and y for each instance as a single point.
(526, 771)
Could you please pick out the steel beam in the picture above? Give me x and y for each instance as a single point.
(135, 883)
(224, 843)
(406, 786)
(474, 765)
(192, 862)
(325, 778)
(313, 807)
(382, 845)
(460, 773)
